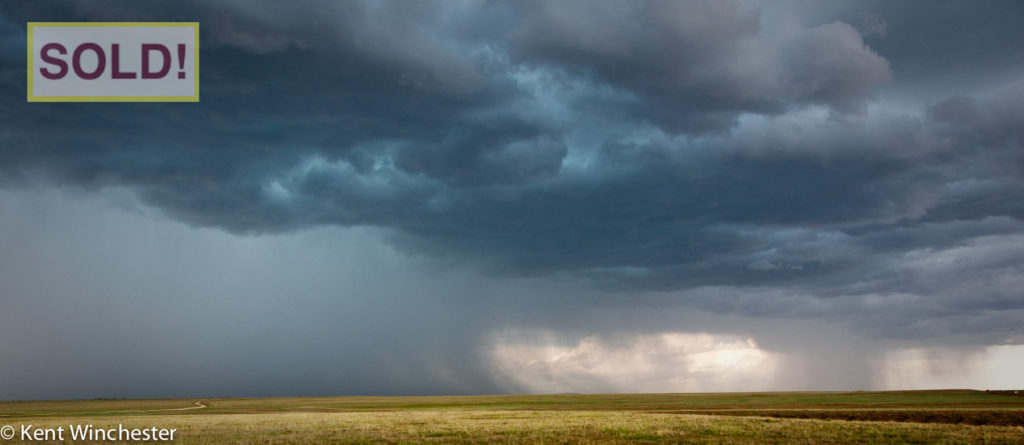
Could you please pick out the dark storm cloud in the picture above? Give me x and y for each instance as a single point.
(687, 65)
(373, 114)
(926, 59)
(858, 163)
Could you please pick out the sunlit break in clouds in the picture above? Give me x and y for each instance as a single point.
(536, 196)
(666, 362)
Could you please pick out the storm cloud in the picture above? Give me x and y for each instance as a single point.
(799, 177)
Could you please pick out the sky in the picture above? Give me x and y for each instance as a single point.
(478, 197)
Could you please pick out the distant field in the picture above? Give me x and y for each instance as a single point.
(949, 416)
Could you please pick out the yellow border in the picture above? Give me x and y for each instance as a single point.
(33, 98)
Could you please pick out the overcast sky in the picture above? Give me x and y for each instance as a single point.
(551, 196)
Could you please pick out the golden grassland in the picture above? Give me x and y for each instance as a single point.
(732, 418)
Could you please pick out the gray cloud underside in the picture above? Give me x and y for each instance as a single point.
(801, 161)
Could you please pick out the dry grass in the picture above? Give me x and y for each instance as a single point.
(957, 416)
(495, 426)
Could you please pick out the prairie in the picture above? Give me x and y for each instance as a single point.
(948, 416)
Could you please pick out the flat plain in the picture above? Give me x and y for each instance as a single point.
(941, 416)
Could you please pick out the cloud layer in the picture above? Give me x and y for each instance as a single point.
(854, 164)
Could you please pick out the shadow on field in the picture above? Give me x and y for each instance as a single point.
(971, 417)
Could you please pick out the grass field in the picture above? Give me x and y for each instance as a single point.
(949, 416)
